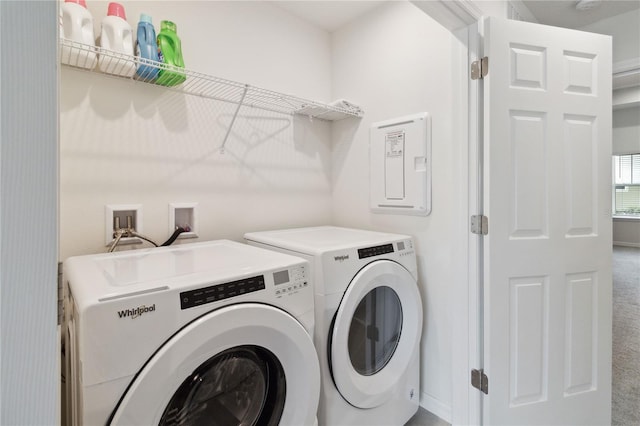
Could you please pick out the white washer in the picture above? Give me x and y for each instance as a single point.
(368, 320)
(178, 335)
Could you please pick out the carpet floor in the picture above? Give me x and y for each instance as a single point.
(626, 336)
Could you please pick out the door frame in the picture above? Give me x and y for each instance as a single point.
(466, 402)
(467, 309)
(462, 18)
(29, 332)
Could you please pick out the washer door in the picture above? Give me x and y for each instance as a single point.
(376, 330)
(245, 364)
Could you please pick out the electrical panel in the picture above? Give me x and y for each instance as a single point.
(400, 165)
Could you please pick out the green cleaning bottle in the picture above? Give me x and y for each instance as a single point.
(170, 52)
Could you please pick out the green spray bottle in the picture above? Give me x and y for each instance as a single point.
(170, 52)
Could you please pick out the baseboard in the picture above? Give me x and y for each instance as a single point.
(626, 244)
(436, 407)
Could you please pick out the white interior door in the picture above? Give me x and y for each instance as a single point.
(547, 256)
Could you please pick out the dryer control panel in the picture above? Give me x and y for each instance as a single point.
(290, 280)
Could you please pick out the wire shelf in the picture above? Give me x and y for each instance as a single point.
(97, 59)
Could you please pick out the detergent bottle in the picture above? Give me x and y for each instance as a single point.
(170, 52)
(116, 36)
(146, 48)
(77, 26)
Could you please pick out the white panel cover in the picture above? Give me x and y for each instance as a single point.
(400, 165)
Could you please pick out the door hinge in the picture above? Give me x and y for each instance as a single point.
(480, 68)
(480, 381)
(60, 294)
(479, 224)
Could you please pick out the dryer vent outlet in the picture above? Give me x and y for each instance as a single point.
(183, 215)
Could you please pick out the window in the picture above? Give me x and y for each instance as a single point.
(626, 185)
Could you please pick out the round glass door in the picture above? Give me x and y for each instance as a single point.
(375, 330)
(244, 385)
(244, 364)
(376, 333)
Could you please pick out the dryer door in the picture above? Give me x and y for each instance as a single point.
(376, 331)
(245, 364)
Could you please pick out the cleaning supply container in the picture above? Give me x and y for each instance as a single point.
(116, 36)
(77, 26)
(170, 51)
(146, 48)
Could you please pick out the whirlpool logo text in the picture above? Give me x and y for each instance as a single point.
(136, 312)
(341, 258)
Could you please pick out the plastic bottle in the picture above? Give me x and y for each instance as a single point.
(170, 52)
(116, 35)
(146, 48)
(77, 26)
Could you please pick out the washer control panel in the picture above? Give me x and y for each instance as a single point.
(214, 293)
(292, 280)
(285, 282)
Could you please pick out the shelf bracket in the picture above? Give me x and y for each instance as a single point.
(233, 120)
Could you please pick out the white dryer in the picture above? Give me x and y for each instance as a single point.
(215, 333)
(368, 320)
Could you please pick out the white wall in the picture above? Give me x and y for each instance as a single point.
(29, 373)
(130, 143)
(626, 232)
(626, 122)
(625, 31)
(626, 131)
(396, 61)
(497, 8)
(626, 140)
